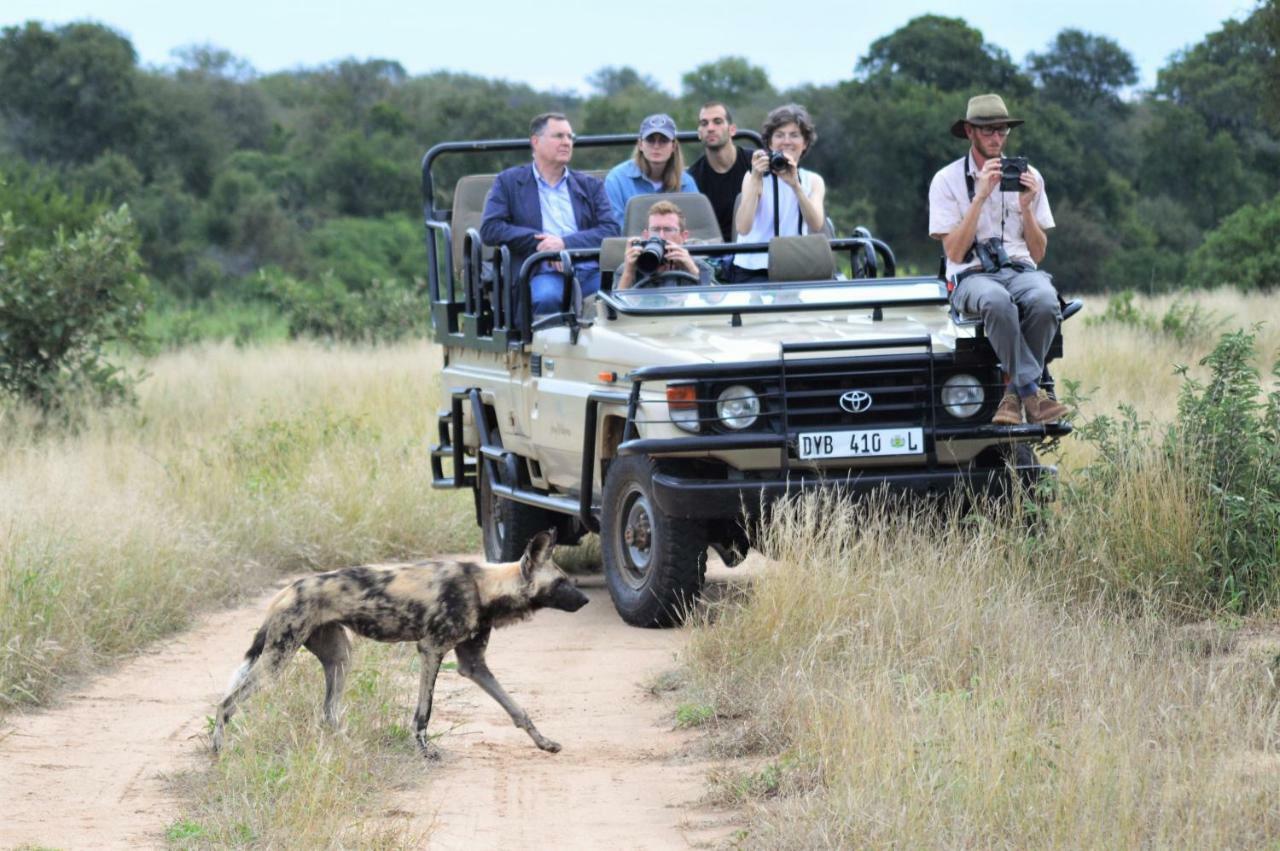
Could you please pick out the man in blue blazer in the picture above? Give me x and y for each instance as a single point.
(547, 207)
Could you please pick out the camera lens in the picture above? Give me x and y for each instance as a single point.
(778, 161)
(651, 255)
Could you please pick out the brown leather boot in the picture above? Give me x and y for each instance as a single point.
(1010, 410)
(1042, 410)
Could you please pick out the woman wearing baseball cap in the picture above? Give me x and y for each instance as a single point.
(656, 166)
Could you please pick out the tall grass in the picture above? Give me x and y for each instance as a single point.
(286, 780)
(910, 683)
(900, 679)
(237, 464)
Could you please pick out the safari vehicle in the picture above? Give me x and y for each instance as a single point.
(665, 418)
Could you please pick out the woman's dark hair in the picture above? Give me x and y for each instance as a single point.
(791, 113)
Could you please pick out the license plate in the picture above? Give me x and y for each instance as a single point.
(860, 443)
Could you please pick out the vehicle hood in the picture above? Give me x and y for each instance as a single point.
(715, 340)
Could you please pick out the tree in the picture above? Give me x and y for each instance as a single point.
(1243, 251)
(611, 81)
(1083, 70)
(945, 53)
(731, 79)
(68, 94)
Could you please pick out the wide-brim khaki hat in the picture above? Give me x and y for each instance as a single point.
(984, 110)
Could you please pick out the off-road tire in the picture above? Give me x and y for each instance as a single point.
(656, 576)
(507, 526)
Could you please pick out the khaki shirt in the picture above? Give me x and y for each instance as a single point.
(949, 200)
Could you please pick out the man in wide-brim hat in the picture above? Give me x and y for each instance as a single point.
(994, 238)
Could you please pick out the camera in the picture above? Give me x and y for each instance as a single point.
(992, 254)
(652, 252)
(778, 162)
(1011, 170)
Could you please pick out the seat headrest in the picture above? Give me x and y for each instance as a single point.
(699, 216)
(613, 250)
(801, 258)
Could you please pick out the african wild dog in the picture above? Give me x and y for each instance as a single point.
(441, 605)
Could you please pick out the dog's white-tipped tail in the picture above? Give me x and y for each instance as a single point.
(238, 676)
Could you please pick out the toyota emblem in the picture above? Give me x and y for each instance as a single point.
(855, 401)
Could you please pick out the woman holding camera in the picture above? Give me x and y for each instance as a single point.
(778, 197)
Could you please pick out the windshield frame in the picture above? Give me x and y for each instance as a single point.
(851, 295)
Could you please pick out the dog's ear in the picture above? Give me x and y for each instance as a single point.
(538, 551)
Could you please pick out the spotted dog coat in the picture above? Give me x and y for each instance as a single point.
(442, 606)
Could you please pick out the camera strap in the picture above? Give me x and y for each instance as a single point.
(777, 229)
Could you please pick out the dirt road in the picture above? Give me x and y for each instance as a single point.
(88, 773)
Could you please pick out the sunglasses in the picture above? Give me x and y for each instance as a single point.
(993, 131)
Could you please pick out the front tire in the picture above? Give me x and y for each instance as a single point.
(507, 526)
(654, 563)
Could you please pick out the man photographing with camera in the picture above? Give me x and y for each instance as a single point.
(659, 256)
(991, 213)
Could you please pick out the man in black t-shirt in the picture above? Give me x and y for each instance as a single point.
(719, 171)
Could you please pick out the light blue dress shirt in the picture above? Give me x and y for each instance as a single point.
(625, 181)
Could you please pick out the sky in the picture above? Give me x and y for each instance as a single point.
(556, 45)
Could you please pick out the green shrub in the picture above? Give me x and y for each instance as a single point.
(1189, 512)
(1244, 250)
(383, 311)
(61, 306)
(1184, 322)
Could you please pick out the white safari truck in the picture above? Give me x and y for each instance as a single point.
(664, 418)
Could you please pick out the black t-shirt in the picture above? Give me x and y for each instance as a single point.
(722, 189)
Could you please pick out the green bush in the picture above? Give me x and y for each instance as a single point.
(61, 306)
(1190, 511)
(383, 311)
(1244, 250)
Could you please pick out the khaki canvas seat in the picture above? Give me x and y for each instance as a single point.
(699, 215)
(468, 211)
(801, 258)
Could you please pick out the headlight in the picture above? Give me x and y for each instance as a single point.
(962, 396)
(738, 407)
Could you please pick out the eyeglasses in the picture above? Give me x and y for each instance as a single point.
(665, 231)
(993, 131)
(560, 137)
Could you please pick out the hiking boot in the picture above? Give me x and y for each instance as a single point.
(1009, 412)
(1043, 410)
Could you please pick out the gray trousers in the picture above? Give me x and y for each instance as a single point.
(1021, 314)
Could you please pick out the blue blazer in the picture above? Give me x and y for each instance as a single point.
(513, 214)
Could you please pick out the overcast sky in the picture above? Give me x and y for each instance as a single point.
(556, 45)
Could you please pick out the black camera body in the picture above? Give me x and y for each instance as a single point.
(652, 252)
(778, 162)
(992, 255)
(1011, 171)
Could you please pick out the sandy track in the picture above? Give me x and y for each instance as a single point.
(88, 773)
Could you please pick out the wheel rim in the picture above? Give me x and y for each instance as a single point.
(635, 539)
(496, 522)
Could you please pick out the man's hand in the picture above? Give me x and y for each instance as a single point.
(1030, 191)
(988, 179)
(632, 255)
(549, 242)
(677, 258)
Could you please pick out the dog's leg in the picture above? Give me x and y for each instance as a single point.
(471, 665)
(332, 647)
(430, 656)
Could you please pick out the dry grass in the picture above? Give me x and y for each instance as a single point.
(238, 464)
(286, 780)
(901, 680)
(912, 683)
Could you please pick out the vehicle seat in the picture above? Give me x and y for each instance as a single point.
(801, 258)
(613, 250)
(468, 211)
(699, 215)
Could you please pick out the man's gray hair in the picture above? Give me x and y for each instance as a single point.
(539, 122)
